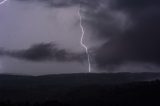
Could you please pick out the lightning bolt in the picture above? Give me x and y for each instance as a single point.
(2, 2)
(81, 41)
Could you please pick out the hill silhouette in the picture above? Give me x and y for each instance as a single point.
(114, 89)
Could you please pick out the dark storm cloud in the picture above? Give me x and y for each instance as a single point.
(44, 52)
(138, 42)
(66, 3)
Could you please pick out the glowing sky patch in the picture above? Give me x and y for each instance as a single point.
(2, 2)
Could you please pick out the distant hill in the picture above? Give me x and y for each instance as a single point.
(76, 79)
(68, 87)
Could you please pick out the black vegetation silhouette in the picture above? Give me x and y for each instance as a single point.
(91, 93)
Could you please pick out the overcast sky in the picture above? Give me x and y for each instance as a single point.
(24, 24)
(122, 35)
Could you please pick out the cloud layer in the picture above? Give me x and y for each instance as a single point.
(138, 43)
(129, 28)
(44, 52)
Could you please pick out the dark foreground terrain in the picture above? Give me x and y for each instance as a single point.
(121, 89)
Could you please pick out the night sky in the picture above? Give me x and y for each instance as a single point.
(43, 36)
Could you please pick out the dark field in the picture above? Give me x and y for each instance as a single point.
(121, 89)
